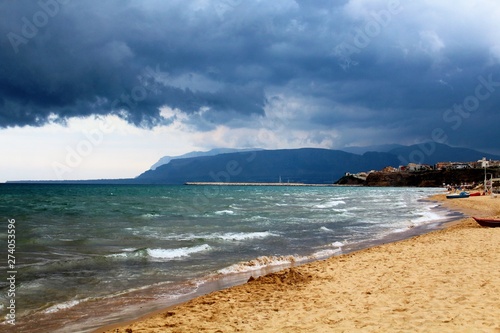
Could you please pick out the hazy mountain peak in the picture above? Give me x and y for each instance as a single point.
(216, 151)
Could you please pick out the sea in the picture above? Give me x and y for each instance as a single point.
(86, 256)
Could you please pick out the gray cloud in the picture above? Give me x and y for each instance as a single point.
(381, 65)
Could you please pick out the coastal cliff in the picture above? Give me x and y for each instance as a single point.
(431, 178)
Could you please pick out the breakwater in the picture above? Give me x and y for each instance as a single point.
(252, 184)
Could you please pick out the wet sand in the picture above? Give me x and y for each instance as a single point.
(444, 281)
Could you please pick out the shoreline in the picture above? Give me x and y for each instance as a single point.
(217, 282)
(240, 302)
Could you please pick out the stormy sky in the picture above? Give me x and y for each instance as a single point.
(122, 83)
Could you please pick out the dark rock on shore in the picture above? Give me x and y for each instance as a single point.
(433, 178)
(350, 181)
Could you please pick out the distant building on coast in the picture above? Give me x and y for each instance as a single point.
(359, 175)
(455, 165)
(467, 165)
(390, 169)
(416, 168)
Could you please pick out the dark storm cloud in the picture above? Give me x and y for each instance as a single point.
(111, 58)
(376, 64)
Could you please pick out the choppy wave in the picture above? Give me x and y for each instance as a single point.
(325, 253)
(326, 229)
(261, 262)
(228, 236)
(427, 216)
(330, 204)
(150, 216)
(162, 254)
(270, 261)
(330, 250)
(224, 212)
(256, 218)
(177, 253)
(239, 236)
(63, 306)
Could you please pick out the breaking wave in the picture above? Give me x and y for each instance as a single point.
(163, 254)
(330, 204)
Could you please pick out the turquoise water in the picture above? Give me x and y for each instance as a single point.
(78, 244)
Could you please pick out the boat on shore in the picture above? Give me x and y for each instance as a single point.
(460, 195)
(487, 222)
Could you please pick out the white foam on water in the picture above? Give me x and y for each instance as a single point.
(30, 285)
(256, 218)
(239, 236)
(161, 254)
(130, 249)
(325, 253)
(70, 304)
(224, 212)
(168, 254)
(325, 229)
(62, 306)
(130, 254)
(188, 288)
(230, 236)
(330, 204)
(259, 263)
(427, 216)
(150, 216)
(118, 255)
(334, 248)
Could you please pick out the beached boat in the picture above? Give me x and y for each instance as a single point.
(458, 195)
(487, 222)
(475, 194)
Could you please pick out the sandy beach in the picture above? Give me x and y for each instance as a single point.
(444, 281)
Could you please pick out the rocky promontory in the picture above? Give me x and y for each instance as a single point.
(430, 178)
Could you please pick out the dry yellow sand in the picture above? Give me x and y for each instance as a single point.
(444, 281)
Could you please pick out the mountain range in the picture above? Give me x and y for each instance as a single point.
(212, 152)
(304, 165)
